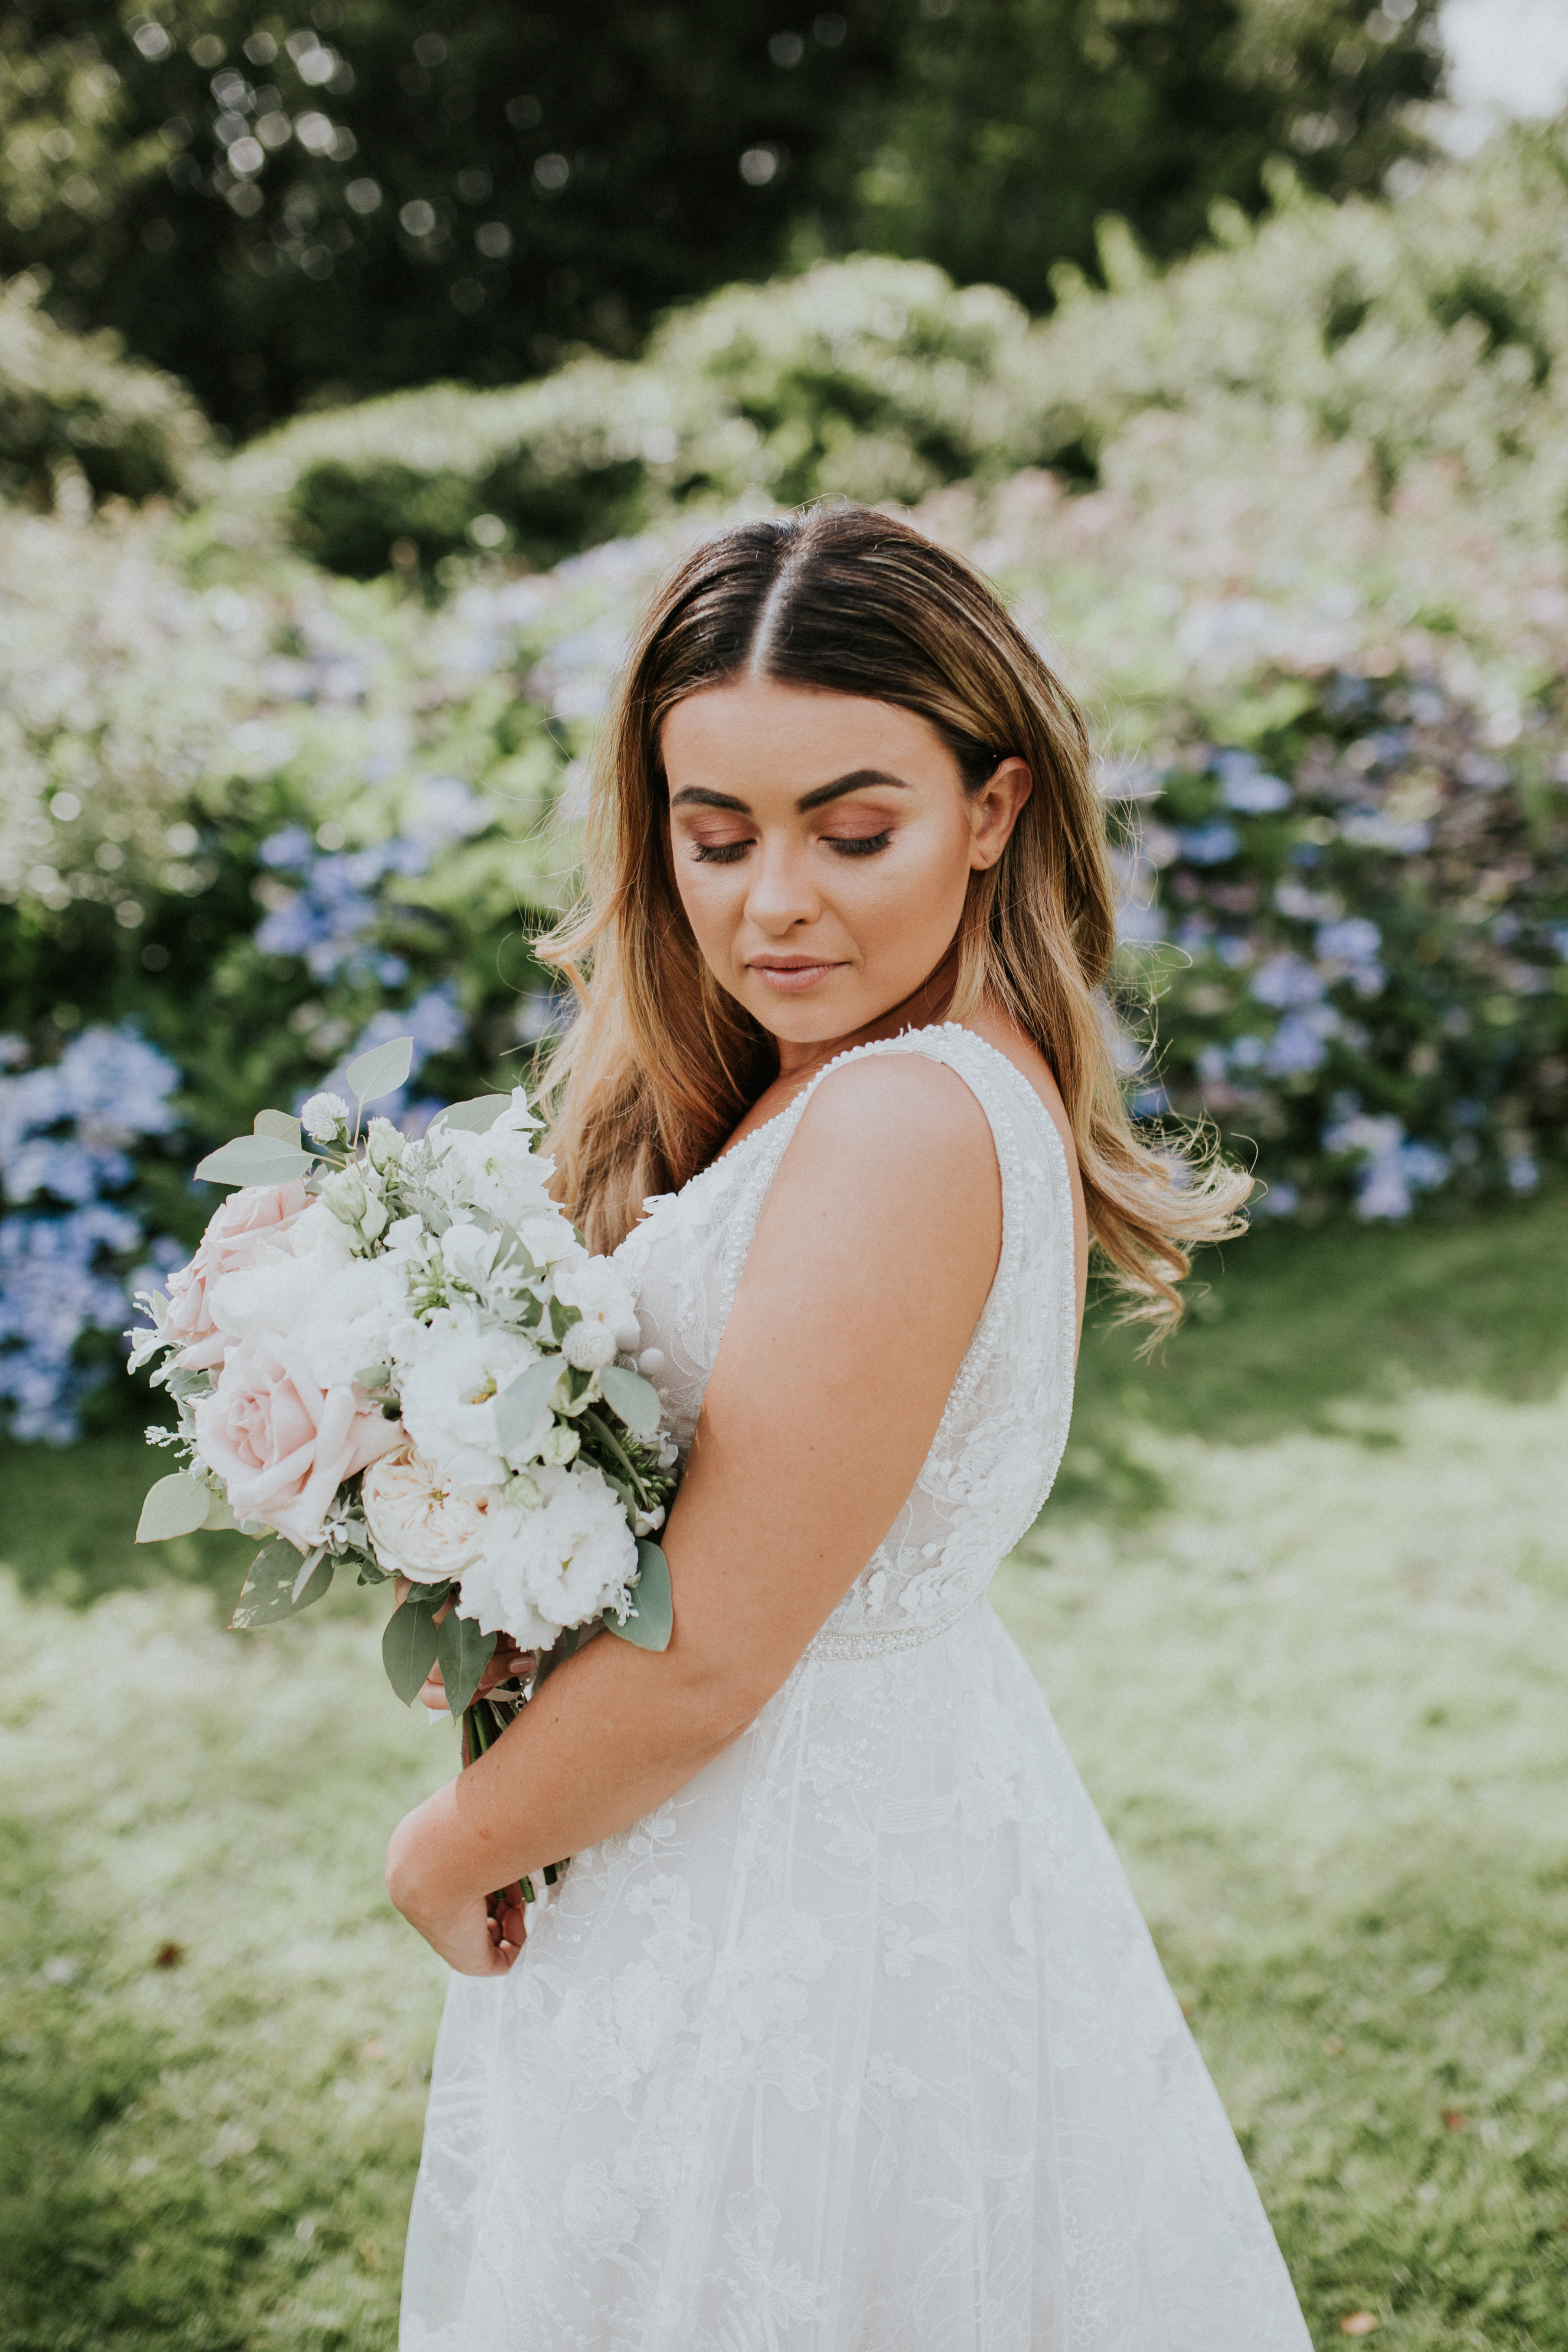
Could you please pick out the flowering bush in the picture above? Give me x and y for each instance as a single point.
(1355, 937)
(1300, 557)
(72, 1239)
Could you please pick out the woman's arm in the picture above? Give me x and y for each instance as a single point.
(871, 1264)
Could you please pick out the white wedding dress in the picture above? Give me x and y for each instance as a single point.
(859, 2044)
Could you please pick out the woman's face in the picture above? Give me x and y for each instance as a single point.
(822, 845)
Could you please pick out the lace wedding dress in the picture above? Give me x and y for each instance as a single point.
(859, 2044)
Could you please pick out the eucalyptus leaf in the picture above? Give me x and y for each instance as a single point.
(279, 1123)
(255, 1160)
(408, 1649)
(653, 1619)
(268, 1593)
(177, 1506)
(381, 1071)
(475, 1117)
(635, 1400)
(464, 1653)
(518, 1407)
(220, 1519)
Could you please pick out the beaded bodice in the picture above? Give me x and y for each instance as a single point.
(1001, 1436)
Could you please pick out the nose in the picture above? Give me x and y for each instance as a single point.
(781, 895)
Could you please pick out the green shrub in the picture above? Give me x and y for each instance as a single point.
(73, 406)
(873, 378)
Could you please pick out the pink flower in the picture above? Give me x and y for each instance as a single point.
(281, 1444)
(254, 1214)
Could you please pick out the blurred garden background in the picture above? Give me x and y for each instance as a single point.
(360, 370)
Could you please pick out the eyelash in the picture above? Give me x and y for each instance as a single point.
(729, 853)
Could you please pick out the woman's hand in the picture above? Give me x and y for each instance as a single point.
(507, 1661)
(480, 1938)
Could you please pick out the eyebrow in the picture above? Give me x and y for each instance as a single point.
(697, 796)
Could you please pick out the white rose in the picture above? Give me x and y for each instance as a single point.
(337, 1312)
(562, 1562)
(420, 1527)
(447, 1382)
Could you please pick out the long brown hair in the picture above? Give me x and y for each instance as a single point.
(662, 1063)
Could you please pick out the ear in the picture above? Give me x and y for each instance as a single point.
(995, 810)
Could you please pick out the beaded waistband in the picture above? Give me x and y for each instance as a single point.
(874, 1643)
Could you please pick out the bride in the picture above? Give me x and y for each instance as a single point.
(842, 2033)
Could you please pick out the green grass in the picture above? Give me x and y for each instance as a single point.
(1302, 1607)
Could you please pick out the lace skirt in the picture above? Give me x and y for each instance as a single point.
(859, 2045)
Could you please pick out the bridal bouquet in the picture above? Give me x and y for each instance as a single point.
(395, 1355)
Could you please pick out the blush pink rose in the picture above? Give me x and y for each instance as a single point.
(254, 1214)
(281, 1444)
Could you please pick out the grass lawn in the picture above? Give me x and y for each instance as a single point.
(1301, 1604)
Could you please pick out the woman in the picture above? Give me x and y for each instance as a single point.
(843, 2033)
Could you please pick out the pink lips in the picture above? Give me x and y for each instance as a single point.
(792, 979)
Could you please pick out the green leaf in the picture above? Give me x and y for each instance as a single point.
(464, 1653)
(279, 1582)
(174, 1506)
(280, 1124)
(220, 1519)
(255, 1160)
(475, 1117)
(518, 1407)
(654, 1622)
(632, 1398)
(381, 1071)
(408, 1649)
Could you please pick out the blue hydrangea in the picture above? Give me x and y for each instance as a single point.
(329, 922)
(65, 1133)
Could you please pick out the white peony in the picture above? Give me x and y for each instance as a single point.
(338, 1313)
(421, 1528)
(561, 1563)
(449, 1373)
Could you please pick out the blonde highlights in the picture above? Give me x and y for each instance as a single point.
(662, 1063)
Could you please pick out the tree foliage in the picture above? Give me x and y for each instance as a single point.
(392, 191)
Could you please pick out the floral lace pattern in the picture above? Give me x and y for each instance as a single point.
(859, 2042)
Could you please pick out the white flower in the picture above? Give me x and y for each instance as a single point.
(602, 1295)
(562, 1562)
(421, 1528)
(588, 1347)
(548, 1239)
(344, 1194)
(324, 1118)
(468, 1254)
(384, 1144)
(496, 1171)
(337, 1312)
(450, 1374)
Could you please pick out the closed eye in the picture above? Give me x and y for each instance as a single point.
(865, 844)
(720, 853)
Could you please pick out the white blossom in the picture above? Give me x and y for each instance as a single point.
(450, 1374)
(325, 1117)
(420, 1525)
(561, 1563)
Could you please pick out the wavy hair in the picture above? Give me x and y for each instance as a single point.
(661, 1063)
